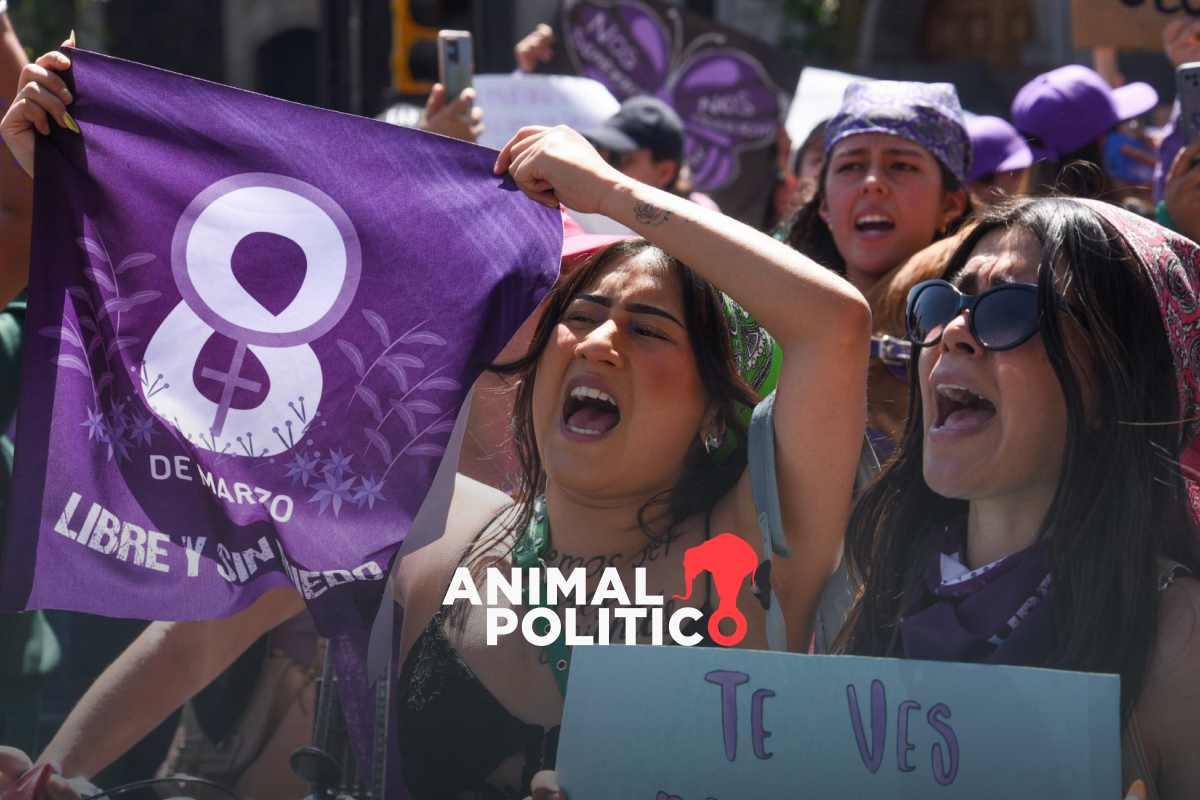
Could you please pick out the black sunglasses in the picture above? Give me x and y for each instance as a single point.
(1001, 318)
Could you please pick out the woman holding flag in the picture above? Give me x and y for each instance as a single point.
(631, 424)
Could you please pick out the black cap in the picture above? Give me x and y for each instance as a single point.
(642, 122)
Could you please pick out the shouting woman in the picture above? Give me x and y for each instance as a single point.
(630, 424)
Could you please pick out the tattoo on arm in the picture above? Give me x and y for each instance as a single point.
(649, 214)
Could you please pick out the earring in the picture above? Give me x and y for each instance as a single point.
(712, 442)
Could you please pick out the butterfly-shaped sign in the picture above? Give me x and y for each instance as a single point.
(727, 99)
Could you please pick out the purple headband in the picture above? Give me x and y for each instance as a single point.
(927, 114)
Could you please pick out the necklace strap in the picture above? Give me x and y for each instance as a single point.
(529, 552)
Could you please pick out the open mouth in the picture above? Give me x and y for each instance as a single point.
(959, 408)
(874, 223)
(590, 412)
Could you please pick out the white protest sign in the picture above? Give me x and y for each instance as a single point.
(818, 97)
(510, 102)
(679, 723)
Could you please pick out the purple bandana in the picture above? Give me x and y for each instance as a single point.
(996, 614)
(252, 326)
(927, 114)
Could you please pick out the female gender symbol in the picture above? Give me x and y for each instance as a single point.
(214, 301)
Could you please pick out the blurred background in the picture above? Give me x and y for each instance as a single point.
(362, 55)
(368, 56)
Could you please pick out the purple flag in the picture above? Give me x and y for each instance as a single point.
(251, 325)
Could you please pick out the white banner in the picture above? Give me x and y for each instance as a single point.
(510, 102)
(818, 97)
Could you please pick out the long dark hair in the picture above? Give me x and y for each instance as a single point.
(705, 478)
(1075, 174)
(809, 234)
(1120, 501)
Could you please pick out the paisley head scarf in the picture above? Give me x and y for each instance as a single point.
(1172, 262)
(1000, 613)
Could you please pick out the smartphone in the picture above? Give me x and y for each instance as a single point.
(456, 62)
(1187, 79)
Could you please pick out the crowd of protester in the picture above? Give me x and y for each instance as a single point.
(972, 341)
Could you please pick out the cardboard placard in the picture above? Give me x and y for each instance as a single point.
(1126, 24)
(510, 102)
(818, 97)
(674, 723)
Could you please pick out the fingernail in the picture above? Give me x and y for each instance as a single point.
(71, 38)
(70, 122)
(66, 95)
(1137, 790)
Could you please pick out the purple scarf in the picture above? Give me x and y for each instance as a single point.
(998, 614)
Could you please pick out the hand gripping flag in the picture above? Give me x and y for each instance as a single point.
(252, 325)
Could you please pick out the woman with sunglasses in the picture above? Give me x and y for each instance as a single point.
(1036, 512)
(1041, 508)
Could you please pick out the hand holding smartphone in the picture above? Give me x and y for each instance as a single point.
(1188, 82)
(456, 62)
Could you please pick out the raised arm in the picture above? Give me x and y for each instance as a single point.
(821, 322)
(167, 664)
(16, 190)
(41, 96)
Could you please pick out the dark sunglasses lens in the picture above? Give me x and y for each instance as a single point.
(1006, 318)
(931, 310)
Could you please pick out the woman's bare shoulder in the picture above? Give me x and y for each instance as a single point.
(1169, 708)
(473, 506)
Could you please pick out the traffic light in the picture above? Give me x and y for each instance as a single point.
(415, 25)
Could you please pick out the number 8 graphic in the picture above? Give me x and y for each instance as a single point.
(214, 301)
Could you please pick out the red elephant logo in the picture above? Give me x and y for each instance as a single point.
(731, 560)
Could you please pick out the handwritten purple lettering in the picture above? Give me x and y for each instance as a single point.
(944, 755)
(945, 770)
(759, 733)
(728, 681)
(872, 756)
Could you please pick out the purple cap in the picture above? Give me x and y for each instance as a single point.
(996, 147)
(927, 114)
(1062, 110)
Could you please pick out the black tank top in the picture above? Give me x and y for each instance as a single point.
(454, 734)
